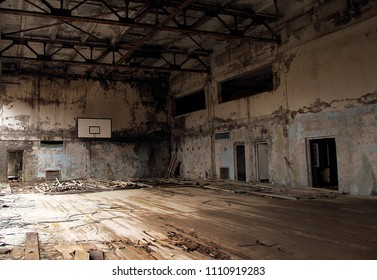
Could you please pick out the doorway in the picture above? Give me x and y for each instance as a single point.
(240, 163)
(14, 166)
(262, 162)
(323, 163)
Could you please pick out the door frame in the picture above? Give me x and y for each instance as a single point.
(235, 161)
(22, 163)
(257, 160)
(309, 157)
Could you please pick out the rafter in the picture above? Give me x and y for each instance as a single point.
(69, 44)
(153, 33)
(151, 36)
(105, 65)
(161, 27)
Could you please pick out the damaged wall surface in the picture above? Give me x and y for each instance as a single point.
(38, 117)
(319, 122)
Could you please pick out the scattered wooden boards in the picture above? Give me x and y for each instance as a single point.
(31, 246)
(83, 251)
(80, 254)
(69, 249)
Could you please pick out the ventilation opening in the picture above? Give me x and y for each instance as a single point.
(253, 83)
(190, 103)
(222, 136)
(224, 173)
(52, 144)
(52, 175)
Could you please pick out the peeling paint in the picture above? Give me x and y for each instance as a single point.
(41, 109)
(329, 91)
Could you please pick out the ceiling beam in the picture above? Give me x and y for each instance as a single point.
(227, 10)
(180, 29)
(105, 65)
(153, 33)
(69, 44)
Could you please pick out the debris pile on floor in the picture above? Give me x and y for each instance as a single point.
(267, 190)
(245, 188)
(87, 185)
(190, 245)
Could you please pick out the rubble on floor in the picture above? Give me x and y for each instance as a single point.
(246, 188)
(78, 186)
(147, 247)
(268, 190)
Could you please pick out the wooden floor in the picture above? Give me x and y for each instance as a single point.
(188, 223)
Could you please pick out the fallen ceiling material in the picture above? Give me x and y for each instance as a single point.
(120, 39)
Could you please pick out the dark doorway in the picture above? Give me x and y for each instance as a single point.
(240, 161)
(14, 170)
(324, 166)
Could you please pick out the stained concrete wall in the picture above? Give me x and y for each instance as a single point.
(324, 86)
(38, 109)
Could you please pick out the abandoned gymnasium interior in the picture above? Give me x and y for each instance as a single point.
(188, 130)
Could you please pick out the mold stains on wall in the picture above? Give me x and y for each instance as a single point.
(319, 94)
(110, 160)
(365, 182)
(28, 158)
(354, 9)
(42, 109)
(319, 106)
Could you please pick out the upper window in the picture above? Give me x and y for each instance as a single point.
(52, 144)
(190, 103)
(222, 136)
(252, 83)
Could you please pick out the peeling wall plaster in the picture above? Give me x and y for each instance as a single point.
(327, 88)
(39, 109)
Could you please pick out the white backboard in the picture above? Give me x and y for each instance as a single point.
(93, 128)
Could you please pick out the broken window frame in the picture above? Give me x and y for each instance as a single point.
(196, 105)
(220, 136)
(55, 144)
(262, 77)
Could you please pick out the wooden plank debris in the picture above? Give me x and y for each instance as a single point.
(68, 249)
(88, 185)
(171, 166)
(268, 190)
(132, 251)
(31, 246)
(81, 254)
(247, 188)
(274, 195)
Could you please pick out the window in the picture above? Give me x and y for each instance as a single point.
(222, 136)
(190, 103)
(52, 144)
(250, 84)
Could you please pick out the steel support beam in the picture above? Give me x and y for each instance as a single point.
(153, 33)
(180, 29)
(104, 65)
(69, 44)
